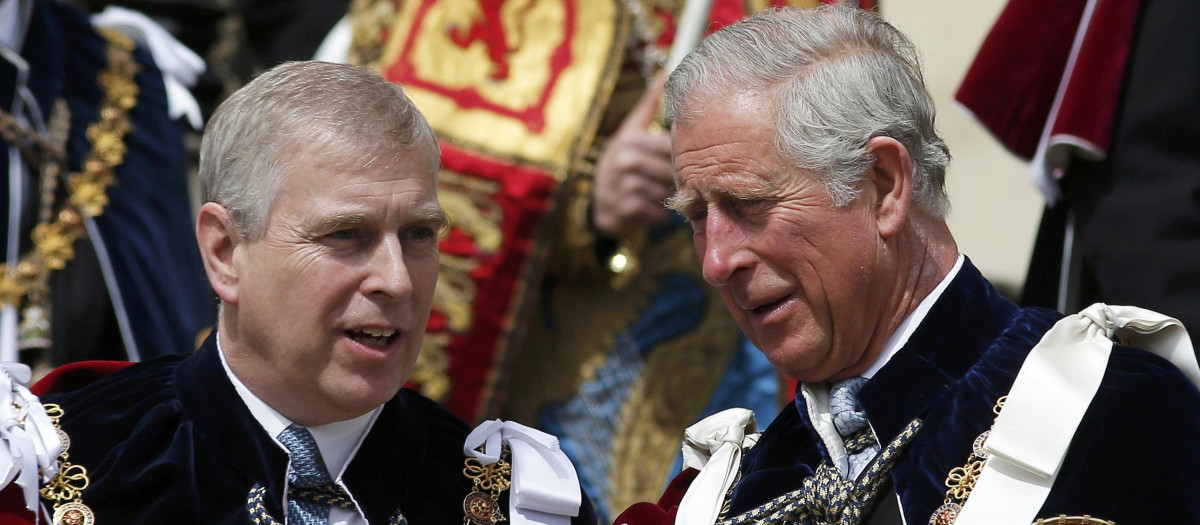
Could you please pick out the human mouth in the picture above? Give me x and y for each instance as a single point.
(767, 309)
(372, 337)
(762, 309)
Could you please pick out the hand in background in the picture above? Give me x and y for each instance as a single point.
(633, 175)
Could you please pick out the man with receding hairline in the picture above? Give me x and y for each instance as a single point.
(319, 232)
(807, 162)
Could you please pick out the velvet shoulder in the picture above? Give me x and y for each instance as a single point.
(1142, 425)
(109, 409)
(131, 433)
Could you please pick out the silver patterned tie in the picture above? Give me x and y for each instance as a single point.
(307, 471)
(851, 424)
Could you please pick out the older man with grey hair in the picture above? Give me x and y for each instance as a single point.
(808, 164)
(319, 233)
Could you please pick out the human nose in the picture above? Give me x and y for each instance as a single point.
(388, 272)
(721, 248)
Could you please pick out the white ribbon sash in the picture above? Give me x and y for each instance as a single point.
(714, 446)
(1051, 393)
(545, 487)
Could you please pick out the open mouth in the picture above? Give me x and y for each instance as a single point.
(373, 338)
(762, 309)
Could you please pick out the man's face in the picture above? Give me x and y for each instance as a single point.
(332, 301)
(795, 271)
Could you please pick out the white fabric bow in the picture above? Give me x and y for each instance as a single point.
(545, 487)
(714, 446)
(179, 65)
(28, 439)
(1048, 399)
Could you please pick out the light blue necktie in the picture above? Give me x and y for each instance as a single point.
(307, 472)
(851, 424)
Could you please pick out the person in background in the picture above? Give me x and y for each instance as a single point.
(97, 261)
(1107, 115)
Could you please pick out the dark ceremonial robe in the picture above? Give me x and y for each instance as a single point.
(170, 441)
(1133, 459)
(137, 290)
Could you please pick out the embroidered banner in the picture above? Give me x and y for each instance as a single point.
(514, 90)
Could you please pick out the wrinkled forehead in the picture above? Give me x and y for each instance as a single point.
(404, 162)
(732, 145)
(321, 176)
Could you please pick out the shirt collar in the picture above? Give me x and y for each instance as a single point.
(337, 441)
(15, 16)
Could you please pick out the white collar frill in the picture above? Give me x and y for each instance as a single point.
(545, 488)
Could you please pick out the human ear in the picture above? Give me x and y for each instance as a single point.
(891, 178)
(218, 237)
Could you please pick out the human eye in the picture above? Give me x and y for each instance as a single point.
(421, 234)
(749, 206)
(695, 215)
(343, 237)
(689, 207)
(345, 234)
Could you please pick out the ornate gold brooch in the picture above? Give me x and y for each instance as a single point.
(482, 505)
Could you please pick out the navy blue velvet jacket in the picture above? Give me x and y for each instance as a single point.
(170, 441)
(1135, 458)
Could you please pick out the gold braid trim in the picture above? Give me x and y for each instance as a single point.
(87, 189)
(65, 489)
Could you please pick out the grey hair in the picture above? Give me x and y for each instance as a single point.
(837, 76)
(348, 113)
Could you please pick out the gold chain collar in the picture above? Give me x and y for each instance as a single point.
(65, 489)
(87, 189)
(961, 481)
(482, 505)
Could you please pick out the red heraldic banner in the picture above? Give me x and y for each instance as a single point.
(514, 91)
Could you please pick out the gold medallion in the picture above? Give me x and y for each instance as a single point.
(482, 504)
(946, 514)
(482, 509)
(73, 513)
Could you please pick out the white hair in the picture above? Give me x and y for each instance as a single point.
(837, 76)
(302, 108)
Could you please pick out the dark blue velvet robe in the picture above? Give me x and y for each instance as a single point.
(170, 441)
(1135, 458)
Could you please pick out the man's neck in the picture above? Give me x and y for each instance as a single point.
(919, 259)
(910, 323)
(925, 254)
(337, 441)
